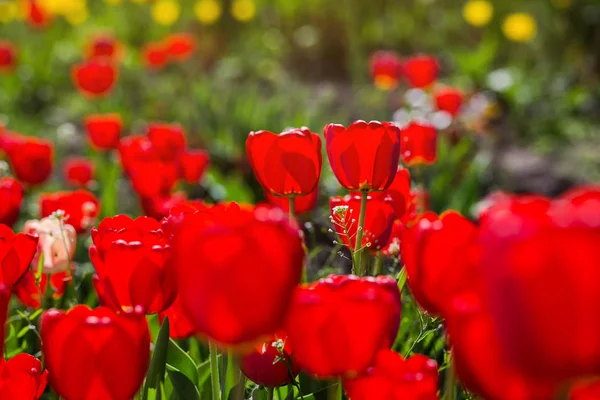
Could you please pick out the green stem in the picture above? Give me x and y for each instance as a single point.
(270, 393)
(358, 248)
(378, 264)
(401, 278)
(334, 392)
(214, 372)
(292, 212)
(450, 381)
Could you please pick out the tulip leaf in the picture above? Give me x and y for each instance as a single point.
(156, 372)
(237, 392)
(232, 376)
(181, 360)
(204, 372)
(183, 388)
(259, 393)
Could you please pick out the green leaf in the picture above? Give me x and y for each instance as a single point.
(232, 375)
(182, 361)
(156, 372)
(204, 372)
(237, 392)
(40, 268)
(259, 393)
(183, 388)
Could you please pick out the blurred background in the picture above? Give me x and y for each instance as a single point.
(529, 71)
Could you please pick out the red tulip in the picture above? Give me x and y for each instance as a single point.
(8, 56)
(78, 171)
(337, 325)
(159, 207)
(132, 260)
(168, 139)
(192, 165)
(180, 46)
(171, 223)
(421, 71)
(95, 77)
(95, 354)
(379, 218)
(30, 293)
(31, 158)
(103, 46)
(36, 15)
(589, 390)
(399, 191)
(270, 364)
(237, 271)
(419, 144)
(104, 130)
(386, 69)
(437, 253)
(80, 206)
(365, 156)
(180, 326)
(394, 378)
(16, 253)
(531, 248)
(288, 164)
(11, 197)
(392, 248)
(302, 204)
(22, 378)
(449, 99)
(155, 55)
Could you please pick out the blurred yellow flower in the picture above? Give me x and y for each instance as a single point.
(562, 3)
(243, 10)
(519, 27)
(478, 12)
(166, 12)
(207, 12)
(64, 7)
(77, 17)
(8, 11)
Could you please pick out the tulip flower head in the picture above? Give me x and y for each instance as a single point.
(103, 130)
(95, 77)
(57, 241)
(386, 69)
(22, 377)
(79, 207)
(8, 56)
(421, 71)
(270, 364)
(11, 197)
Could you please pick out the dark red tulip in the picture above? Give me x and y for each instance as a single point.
(180, 326)
(365, 156)
(302, 204)
(337, 325)
(421, 71)
(192, 165)
(394, 378)
(436, 252)
(180, 46)
(386, 69)
(168, 139)
(288, 164)
(449, 99)
(78, 171)
(80, 206)
(155, 55)
(378, 221)
(8, 56)
(11, 197)
(95, 354)
(103, 45)
(104, 130)
(95, 77)
(270, 364)
(132, 260)
(22, 378)
(399, 191)
(31, 158)
(237, 268)
(16, 253)
(532, 247)
(419, 144)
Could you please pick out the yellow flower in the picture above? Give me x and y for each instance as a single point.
(77, 17)
(8, 11)
(64, 7)
(207, 12)
(478, 12)
(166, 12)
(519, 27)
(243, 10)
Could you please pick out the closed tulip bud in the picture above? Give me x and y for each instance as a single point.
(104, 130)
(449, 99)
(80, 207)
(386, 69)
(168, 140)
(78, 171)
(421, 71)
(418, 144)
(31, 158)
(192, 165)
(95, 77)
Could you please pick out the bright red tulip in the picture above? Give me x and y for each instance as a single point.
(132, 260)
(80, 206)
(155, 55)
(399, 191)
(449, 99)
(302, 204)
(379, 218)
(531, 248)
(337, 325)
(237, 268)
(78, 171)
(168, 139)
(22, 378)
(365, 156)
(386, 69)
(95, 77)
(30, 293)
(31, 158)
(95, 354)
(421, 71)
(103, 45)
(586, 390)
(8, 56)
(159, 207)
(11, 197)
(192, 165)
(288, 164)
(16, 253)
(180, 326)
(180, 46)
(104, 130)
(394, 378)
(270, 364)
(419, 144)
